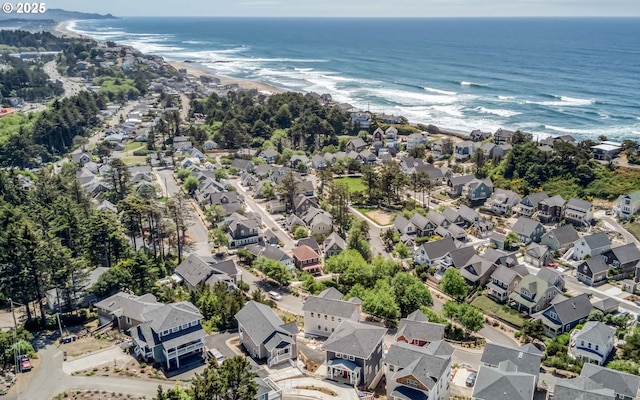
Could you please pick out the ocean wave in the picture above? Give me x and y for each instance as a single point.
(473, 84)
(564, 101)
(404, 97)
(498, 112)
(439, 91)
(506, 98)
(196, 42)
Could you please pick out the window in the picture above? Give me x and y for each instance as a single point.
(589, 345)
(333, 318)
(351, 358)
(311, 315)
(333, 329)
(319, 328)
(325, 329)
(338, 355)
(325, 317)
(597, 348)
(391, 367)
(553, 315)
(194, 323)
(411, 382)
(175, 329)
(128, 320)
(339, 319)
(185, 326)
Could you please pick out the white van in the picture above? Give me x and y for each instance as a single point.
(275, 295)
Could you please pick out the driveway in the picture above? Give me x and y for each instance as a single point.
(108, 356)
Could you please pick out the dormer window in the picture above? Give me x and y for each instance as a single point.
(411, 382)
(553, 315)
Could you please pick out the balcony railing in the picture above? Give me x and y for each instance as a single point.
(185, 350)
(279, 358)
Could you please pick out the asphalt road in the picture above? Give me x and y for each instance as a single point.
(48, 380)
(71, 88)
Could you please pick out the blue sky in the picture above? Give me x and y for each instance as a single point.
(355, 8)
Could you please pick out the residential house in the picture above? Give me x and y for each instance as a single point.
(311, 242)
(125, 310)
(627, 205)
(196, 269)
(267, 389)
(302, 203)
(324, 312)
(478, 136)
(416, 139)
(210, 145)
(274, 253)
(579, 212)
(243, 232)
(526, 358)
(404, 226)
(623, 261)
(552, 276)
(333, 245)
(228, 200)
(430, 253)
(453, 217)
(246, 153)
(478, 189)
(606, 151)
(528, 230)
(264, 335)
(416, 330)
(492, 151)
(457, 183)
(321, 224)
(502, 201)
(497, 239)
(81, 158)
(299, 161)
(561, 238)
(593, 271)
(391, 138)
(463, 150)
(505, 382)
(529, 205)
(591, 245)
(502, 136)
(361, 120)
(469, 216)
(625, 386)
(270, 238)
(293, 221)
(171, 335)
(453, 231)
(368, 157)
(423, 225)
(532, 294)
(354, 353)
(306, 259)
(243, 165)
(269, 155)
(565, 314)
(504, 281)
(551, 209)
(581, 388)
(357, 145)
(537, 255)
(318, 162)
(608, 305)
(418, 373)
(592, 343)
(378, 135)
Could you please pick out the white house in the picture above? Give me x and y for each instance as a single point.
(324, 312)
(627, 205)
(591, 245)
(593, 343)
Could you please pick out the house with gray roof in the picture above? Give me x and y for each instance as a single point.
(526, 358)
(593, 271)
(579, 212)
(561, 238)
(624, 385)
(243, 232)
(564, 315)
(274, 253)
(503, 282)
(267, 389)
(470, 216)
(591, 245)
(593, 343)
(537, 255)
(404, 226)
(169, 334)
(318, 162)
(581, 388)
(627, 205)
(264, 335)
(324, 312)
(502, 201)
(504, 382)
(478, 189)
(416, 329)
(81, 158)
(622, 260)
(243, 165)
(532, 294)
(125, 310)
(353, 353)
(423, 225)
(528, 230)
(418, 373)
(529, 204)
(268, 155)
(474, 268)
(551, 209)
(608, 305)
(357, 145)
(552, 276)
(299, 161)
(453, 217)
(333, 245)
(430, 253)
(478, 136)
(196, 269)
(457, 183)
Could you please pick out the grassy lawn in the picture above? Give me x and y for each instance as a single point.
(135, 160)
(354, 184)
(492, 308)
(133, 146)
(633, 228)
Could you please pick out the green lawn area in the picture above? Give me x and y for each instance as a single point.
(633, 228)
(135, 160)
(133, 146)
(354, 184)
(492, 308)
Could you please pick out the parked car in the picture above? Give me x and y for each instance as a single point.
(275, 295)
(215, 353)
(471, 379)
(25, 363)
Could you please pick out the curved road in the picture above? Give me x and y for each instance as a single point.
(48, 380)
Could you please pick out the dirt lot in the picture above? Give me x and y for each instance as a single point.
(380, 217)
(85, 345)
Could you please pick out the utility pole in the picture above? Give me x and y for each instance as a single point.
(15, 337)
(59, 325)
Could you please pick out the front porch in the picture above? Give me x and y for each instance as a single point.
(174, 355)
(280, 355)
(344, 371)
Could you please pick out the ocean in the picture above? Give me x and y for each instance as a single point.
(546, 76)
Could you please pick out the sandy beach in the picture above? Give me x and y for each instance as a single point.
(198, 70)
(62, 30)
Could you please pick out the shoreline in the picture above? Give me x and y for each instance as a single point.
(62, 29)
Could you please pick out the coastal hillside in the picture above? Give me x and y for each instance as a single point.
(54, 14)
